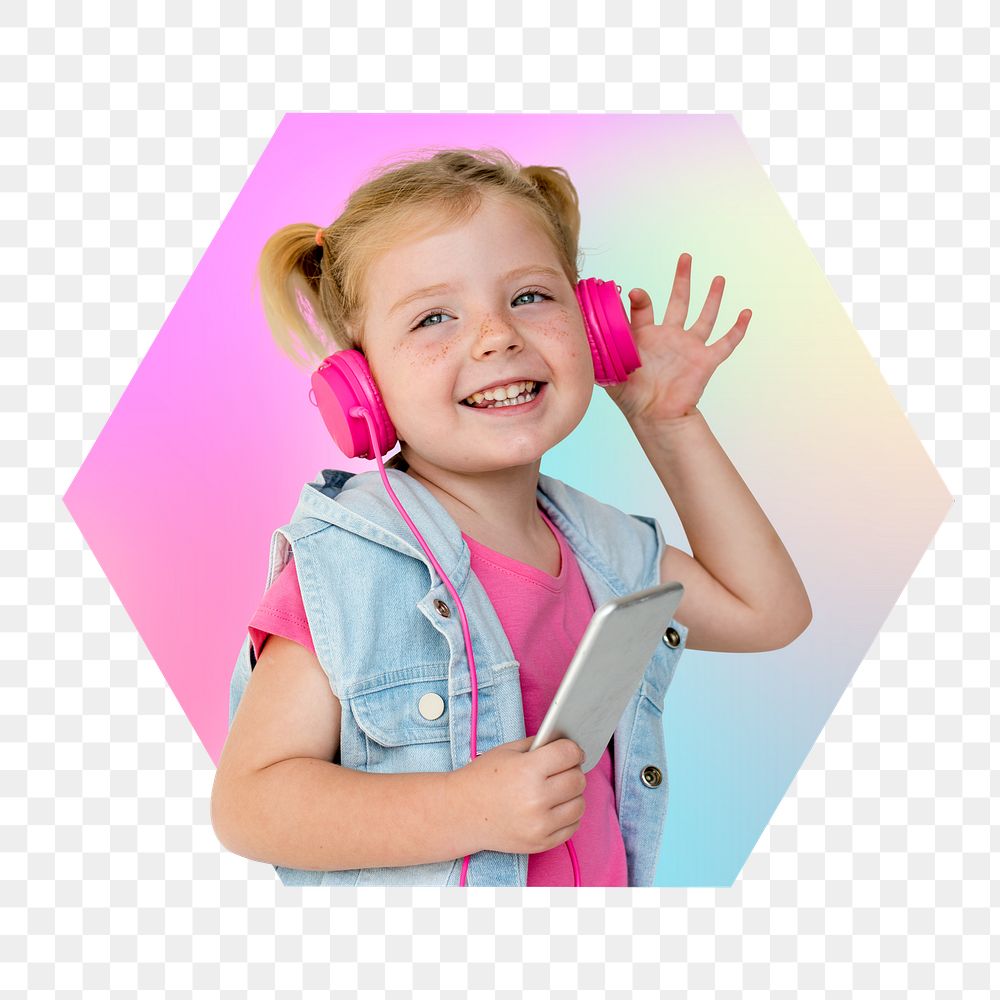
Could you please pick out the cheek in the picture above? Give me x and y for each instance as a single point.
(422, 353)
(419, 376)
(566, 330)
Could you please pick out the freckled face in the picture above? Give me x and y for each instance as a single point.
(484, 325)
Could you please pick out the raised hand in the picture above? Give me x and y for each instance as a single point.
(676, 363)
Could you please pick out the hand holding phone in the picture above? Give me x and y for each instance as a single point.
(521, 802)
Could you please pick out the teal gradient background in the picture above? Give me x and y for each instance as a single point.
(209, 446)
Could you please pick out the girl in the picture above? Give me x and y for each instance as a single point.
(348, 756)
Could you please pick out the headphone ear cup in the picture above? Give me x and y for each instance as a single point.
(342, 381)
(608, 331)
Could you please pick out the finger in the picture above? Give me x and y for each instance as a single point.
(725, 346)
(566, 756)
(640, 308)
(680, 294)
(562, 835)
(568, 812)
(565, 786)
(702, 327)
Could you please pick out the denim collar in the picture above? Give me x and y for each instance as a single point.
(359, 502)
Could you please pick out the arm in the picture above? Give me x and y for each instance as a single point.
(279, 798)
(742, 590)
(312, 814)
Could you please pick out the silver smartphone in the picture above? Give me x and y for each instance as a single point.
(607, 668)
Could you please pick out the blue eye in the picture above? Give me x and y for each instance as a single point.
(427, 317)
(531, 291)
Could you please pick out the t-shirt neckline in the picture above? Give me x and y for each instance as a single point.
(532, 573)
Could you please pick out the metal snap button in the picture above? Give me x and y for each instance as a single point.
(442, 609)
(431, 705)
(651, 776)
(672, 637)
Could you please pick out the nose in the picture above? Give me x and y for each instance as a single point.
(497, 334)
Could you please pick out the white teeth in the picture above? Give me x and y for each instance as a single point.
(525, 397)
(512, 391)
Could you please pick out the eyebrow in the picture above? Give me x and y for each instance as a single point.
(516, 272)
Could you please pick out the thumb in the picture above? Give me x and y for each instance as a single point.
(640, 308)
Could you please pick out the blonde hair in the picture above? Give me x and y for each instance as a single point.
(412, 196)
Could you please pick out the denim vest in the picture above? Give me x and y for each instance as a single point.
(386, 633)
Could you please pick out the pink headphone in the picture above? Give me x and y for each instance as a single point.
(354, 414)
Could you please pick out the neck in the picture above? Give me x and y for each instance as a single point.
(503, 501)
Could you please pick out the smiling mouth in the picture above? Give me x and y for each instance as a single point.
(525, 397)
(512, 408)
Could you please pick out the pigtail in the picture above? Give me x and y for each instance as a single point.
(296, 297)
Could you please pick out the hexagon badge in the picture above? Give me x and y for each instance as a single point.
(211, 444)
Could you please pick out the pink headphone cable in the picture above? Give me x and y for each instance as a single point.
(361, 411)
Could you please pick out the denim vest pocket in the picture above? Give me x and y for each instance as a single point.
(403, 729)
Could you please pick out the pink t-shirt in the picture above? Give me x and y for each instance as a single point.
(544, 618)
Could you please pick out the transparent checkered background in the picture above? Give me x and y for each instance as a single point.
(125, 146)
